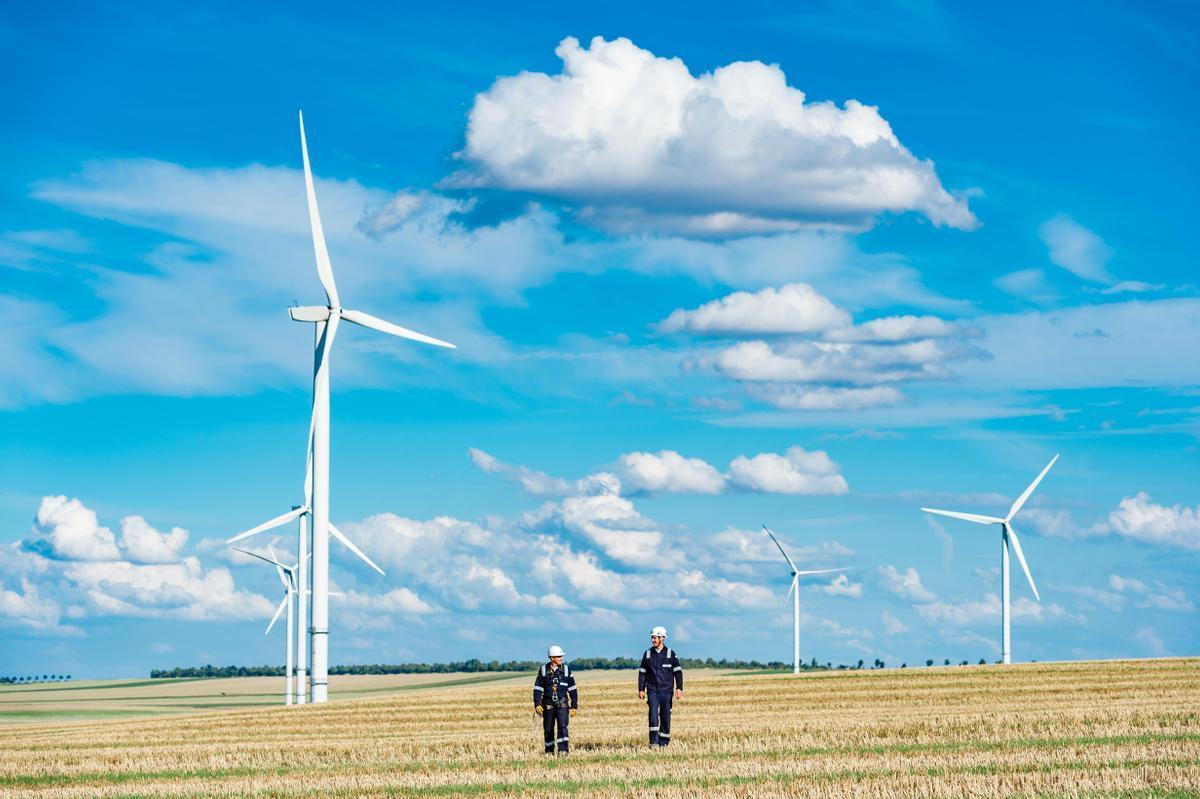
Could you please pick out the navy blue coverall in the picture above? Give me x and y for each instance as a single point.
(659, 674)
(554, 690)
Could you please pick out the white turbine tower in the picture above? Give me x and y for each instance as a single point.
(327, 318)
(1008, 539)
(794, 595)
(287, 576)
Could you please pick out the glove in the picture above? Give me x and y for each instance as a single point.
(574, 710)
(537, 709)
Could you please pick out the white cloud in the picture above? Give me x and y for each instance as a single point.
(554, 602)
(144, 544)
(398, 600)
(795, 472)
(1160, 597)
(971, 612)
(669, 471)
(733, 544)
(1132, 287)
(30, 610)
(73, 532)
(823, 398)
(1076, 249)
(897, 328)
(535, 483)
(642, 143)
(826, 362)
(1141, 519)
(1134, 343)
(1025, 283)
(1151, 643)
(841, 586)
(178, 590)
(794, 308)
(906, 584)
(892, 625)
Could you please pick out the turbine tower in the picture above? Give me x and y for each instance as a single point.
(1008, 540)
(794, 595)
(287, 576)
(327, 318)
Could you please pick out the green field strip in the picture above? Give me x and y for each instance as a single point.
(101, 687)
(352, 693)
(101, 778)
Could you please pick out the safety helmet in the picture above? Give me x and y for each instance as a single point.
(662, 631)
(555, 652)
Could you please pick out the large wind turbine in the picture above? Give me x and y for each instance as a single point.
(327, 318)
(287, 576)
(1008, 539)
(794, 594)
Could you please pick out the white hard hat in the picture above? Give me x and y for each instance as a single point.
(555, 652)
(659, 631)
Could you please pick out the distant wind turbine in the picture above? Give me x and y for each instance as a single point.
(303, 512)
(287, 576)
(794, 594)
(1008, 539)
(327, 318)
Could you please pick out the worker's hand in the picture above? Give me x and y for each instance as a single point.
(641, 694)
(679, 693)
(537, 709)
(574, 710)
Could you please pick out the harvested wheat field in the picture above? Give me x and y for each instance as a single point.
(1129, 728)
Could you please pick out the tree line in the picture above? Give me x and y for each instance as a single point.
(470, 666)
(34, 678)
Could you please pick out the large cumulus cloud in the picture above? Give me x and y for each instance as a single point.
(642, 143)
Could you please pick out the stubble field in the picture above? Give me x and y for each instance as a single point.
(1128, 728)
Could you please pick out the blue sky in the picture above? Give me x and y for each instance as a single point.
(813, 267)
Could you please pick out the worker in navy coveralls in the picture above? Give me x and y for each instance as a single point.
(659, 673)
(556, 700)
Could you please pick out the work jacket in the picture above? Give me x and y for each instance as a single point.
(555, 687)
(660, 670)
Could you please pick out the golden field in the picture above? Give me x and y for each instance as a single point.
(1122, 728)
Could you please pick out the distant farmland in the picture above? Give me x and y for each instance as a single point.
(1128, 729)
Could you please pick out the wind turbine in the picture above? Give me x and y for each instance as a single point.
(327, 318)
(794, 595)
(303, 513)
(287, 576)
(1008, 539)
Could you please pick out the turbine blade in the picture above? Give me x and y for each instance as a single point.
(970, 517)
(272, 561)
(278, 610)
(781, 552)
(1016, 506)
(350, 546)
(383, 326)
(1016, 548)
(324, 268)
(269, 525)
(795, 580)
(279, 568)
(823, 571)
(326, 344)
(308, 459)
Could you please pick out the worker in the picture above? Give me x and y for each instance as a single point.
(556, 700)
(659, 673)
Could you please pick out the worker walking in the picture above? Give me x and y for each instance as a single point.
(659, 673)
(556, 700)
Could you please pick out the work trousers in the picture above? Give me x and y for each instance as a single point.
(659, 703)
(560, 716)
